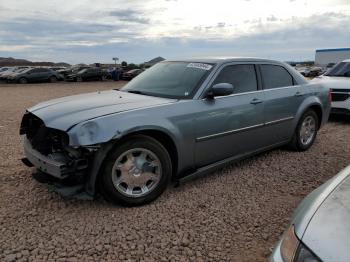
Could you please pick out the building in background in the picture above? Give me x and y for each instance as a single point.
(325, 57)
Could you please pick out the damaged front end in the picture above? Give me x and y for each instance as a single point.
(65, 167)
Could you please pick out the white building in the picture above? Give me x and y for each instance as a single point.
(325, 56)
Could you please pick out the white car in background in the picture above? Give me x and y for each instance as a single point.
(338, 80)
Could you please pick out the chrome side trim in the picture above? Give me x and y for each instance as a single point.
(228, 132)
(203, 138)
(279, 120)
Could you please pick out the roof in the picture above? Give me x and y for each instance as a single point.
(332, 50)
(224, 60)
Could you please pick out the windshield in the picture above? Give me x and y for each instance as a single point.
(25, 70)
(341, 69)
(170, 79)
(81, 71)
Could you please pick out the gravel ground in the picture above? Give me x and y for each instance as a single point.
(235, 214)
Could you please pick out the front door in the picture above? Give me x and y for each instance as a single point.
(230, 125)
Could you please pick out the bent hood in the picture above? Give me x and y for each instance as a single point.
(328, 233)
(63, 113)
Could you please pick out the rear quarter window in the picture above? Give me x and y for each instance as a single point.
(275, 76)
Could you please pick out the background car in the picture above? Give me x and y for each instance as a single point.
(131, 74)
(72, 70)
(34, 75)
(338, 80)
(9, 71)
(88, 74)
(320, 229)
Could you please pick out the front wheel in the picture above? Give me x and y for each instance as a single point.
(23, 80)
(53, 79)
(306, 131)
(136, 172)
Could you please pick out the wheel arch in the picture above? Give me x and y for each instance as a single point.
(162, 137)
(310, 103)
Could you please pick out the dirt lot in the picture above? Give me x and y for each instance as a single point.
(235, 214)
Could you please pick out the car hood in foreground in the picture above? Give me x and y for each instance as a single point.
(328, 233)
(63, 113)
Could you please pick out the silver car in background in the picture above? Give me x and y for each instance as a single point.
(337, 80)
(320, 227)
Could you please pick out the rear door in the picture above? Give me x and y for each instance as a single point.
(230, 125)
(282, 100)
(34, 75)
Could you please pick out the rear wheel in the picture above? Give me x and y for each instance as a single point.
(136, 172)
(306, 131)
(23, 80)
(53, 79)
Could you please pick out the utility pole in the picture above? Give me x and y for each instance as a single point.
(115, 61)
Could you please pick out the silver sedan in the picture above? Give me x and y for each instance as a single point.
(320, 228)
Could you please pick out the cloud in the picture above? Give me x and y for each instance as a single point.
(138, 30)
(131, 16)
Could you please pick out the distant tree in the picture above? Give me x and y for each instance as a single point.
(124, 64)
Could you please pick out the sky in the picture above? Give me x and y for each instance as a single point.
(88, 31)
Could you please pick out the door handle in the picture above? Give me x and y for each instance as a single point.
(298, 94)
(256, 101)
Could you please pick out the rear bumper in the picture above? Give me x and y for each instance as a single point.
(45, 164)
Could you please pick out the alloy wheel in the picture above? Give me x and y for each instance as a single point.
(136, 172)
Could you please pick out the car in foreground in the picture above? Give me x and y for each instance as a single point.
(319, 230)
(131, 74)
(338, 80)
(34, 75)
(177, 119)
(88, 74)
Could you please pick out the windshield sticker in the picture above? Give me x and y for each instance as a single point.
(200, 66)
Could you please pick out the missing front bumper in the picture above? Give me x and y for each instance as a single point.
(45, 164)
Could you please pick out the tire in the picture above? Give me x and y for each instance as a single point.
(53, 79)
(123, 174)
(103, 78)
(23, 80)
(300, 142)
(79, 79)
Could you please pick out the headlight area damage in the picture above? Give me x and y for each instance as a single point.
(65, 168)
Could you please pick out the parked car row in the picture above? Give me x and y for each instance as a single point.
(311, 71)
(26, 74)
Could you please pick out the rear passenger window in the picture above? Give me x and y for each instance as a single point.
(275, 76)
(242, 77)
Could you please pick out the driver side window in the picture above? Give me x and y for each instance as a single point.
(242, 77)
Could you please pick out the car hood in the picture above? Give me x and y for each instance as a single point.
(63, 113)
(333, 82)
(328, 233)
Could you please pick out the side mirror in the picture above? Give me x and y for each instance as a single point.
(221, 89)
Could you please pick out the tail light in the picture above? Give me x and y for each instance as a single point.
(330, 95)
